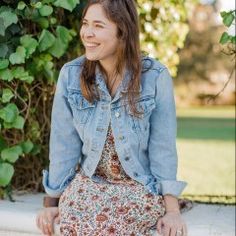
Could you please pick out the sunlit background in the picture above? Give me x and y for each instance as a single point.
(206, 124)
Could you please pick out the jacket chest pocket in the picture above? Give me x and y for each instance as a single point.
(81, 108)
(145, 105)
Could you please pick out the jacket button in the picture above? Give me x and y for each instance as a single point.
(100, 129)
(117, 114)
(104, 107)
(135, 174)
(127, 158)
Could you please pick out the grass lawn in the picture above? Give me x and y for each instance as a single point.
(206, 149)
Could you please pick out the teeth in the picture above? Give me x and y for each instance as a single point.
(91, 44)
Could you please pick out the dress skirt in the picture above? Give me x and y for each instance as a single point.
(116, 205)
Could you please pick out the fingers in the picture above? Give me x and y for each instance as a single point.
(159, 225)
(185, 231)
(57, 220)
(166, 231)
(45, 222)
(45, 226)
(173, 232)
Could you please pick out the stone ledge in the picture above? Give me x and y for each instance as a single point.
(18, 218)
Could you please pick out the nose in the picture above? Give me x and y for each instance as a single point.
(88, 32)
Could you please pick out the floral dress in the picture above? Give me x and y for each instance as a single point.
(115, 206)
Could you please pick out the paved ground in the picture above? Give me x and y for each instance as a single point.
(18, 218)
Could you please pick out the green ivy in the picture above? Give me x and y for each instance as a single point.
(33, 37)
(228, 19)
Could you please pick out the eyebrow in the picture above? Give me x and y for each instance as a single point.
(96, 21)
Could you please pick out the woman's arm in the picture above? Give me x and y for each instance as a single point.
(162, 141)
(65, 144)
(163, 155)
(171, 203)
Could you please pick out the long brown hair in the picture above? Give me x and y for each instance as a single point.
(124, 14)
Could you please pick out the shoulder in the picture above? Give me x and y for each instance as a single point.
(70, 73)
(151, 65)
(77, 62)
(155, 75)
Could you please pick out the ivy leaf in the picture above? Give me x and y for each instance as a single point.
(64, 34)
(233, 39)
(3, 47)
(11, 154)
(28, 79)
(27, 146)
(223, 13)
(36, 150)
(9, 112)
(224, 38)
(38, 5)
(7, 95)
(228, 19)
(43, 22)
(46, 10)
(18, 123)
(6, 173)
(58, 48)
(69, 4)
(21, 5)
(20, 73)
(4, 63)
(6, 75)
(19, 56)
(2, 143)
(29, 43)
(53, 20)
(46, 40)
(8, 16)
(2, 27)
(62, 41)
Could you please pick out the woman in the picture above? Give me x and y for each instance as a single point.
(113, 158)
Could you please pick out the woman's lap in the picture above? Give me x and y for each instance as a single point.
(90, 208)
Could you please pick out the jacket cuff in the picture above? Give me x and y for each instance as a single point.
(58, 190)
(172, 187)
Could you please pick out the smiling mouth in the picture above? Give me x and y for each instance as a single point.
(91, 45)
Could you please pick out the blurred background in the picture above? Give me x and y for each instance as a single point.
(38, 37)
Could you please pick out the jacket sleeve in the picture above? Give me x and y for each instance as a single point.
(162, 141)
(65, 144)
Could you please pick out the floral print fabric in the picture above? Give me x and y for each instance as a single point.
(117, 206)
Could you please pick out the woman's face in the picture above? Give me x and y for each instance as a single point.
(99, 35)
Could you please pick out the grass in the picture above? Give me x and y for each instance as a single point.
(206, 149)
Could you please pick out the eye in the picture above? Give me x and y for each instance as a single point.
(99, 26)
(84, 23)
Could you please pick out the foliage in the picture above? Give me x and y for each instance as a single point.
(36, 38)
(228, 19)
(164, 28)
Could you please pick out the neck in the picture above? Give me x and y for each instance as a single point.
(109, 68)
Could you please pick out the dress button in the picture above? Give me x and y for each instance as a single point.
(117, 114)
(126, 158)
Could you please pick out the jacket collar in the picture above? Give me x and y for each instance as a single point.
(122, 88)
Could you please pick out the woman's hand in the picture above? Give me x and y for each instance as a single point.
(171, 224)
(46, 218)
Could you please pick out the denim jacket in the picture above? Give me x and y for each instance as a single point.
(146, 146)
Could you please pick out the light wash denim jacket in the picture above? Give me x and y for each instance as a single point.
(146, 147)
